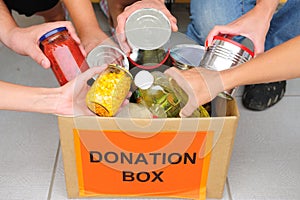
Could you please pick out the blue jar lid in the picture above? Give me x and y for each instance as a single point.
(52, 32)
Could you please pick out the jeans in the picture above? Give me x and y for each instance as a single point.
(205, 14)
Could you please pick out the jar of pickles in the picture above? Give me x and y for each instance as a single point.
(109, 90)
(64, 54)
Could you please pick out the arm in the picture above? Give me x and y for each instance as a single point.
(253, 25)
(280, 63)
(86, 24)
(202, 85)
(66, 100)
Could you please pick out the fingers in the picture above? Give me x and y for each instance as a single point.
(172, 19)
(121, 19)
(38, 56)
(191, 104)
(123, 43)
(72, 31)
(216, 31)
(188, 109)
(258, 47)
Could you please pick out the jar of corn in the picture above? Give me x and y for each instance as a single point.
(108, 92)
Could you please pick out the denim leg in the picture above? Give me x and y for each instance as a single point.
(285, 24)
(205, 14)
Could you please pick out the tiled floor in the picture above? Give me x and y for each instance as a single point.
(265, 163)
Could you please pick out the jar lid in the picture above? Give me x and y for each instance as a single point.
(52, 32)
(147, 29)
(143, 79)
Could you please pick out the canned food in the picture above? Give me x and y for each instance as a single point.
(149, 59)
(104, 55)
(186, 56)
(108, 92)
(147, 29)
(223, 54)
(64, 54)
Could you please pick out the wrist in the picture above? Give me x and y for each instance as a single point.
(267, 7)
(48, 100)
(8, 36)
(229, 79)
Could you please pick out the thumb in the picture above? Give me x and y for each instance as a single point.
(188, 109)
(38, 56)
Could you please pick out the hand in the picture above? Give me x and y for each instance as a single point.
(157, 4)
(73, 94)
(200, 84)
(95, 38)
(254, 25)
(25, 41)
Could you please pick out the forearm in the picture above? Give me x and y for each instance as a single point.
(279, 63)
(29, 99)
(83, 17)
(267, 7)
(7, 23)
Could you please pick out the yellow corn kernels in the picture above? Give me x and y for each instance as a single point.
(109, 90)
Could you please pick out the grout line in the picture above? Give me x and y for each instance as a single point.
(228, 189)
(53, 172)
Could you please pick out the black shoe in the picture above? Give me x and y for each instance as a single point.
(262, 96)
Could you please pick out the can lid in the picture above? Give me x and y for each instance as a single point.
(147, 29)
(103, 55)
(52, 32)
(143, 79)
(187, 55)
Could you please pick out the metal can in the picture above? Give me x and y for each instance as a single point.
(108, 92)
(104, 55)
(223, 54)
(149, 59)
(186, 56)
(66, 59)
(147, 29)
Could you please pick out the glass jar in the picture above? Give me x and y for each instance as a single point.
(109, 90)
(64, 54)
(155, 93)
(162, 95)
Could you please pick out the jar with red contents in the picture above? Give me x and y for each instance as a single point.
(66, 59)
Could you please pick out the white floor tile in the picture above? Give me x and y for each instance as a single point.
(265, 162)
(27, 150)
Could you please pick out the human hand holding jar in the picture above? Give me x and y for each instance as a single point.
(64, 53)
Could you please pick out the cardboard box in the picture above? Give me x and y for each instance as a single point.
(88, 141)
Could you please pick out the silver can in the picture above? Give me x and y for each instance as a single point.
(223, 54)
(147, 29)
